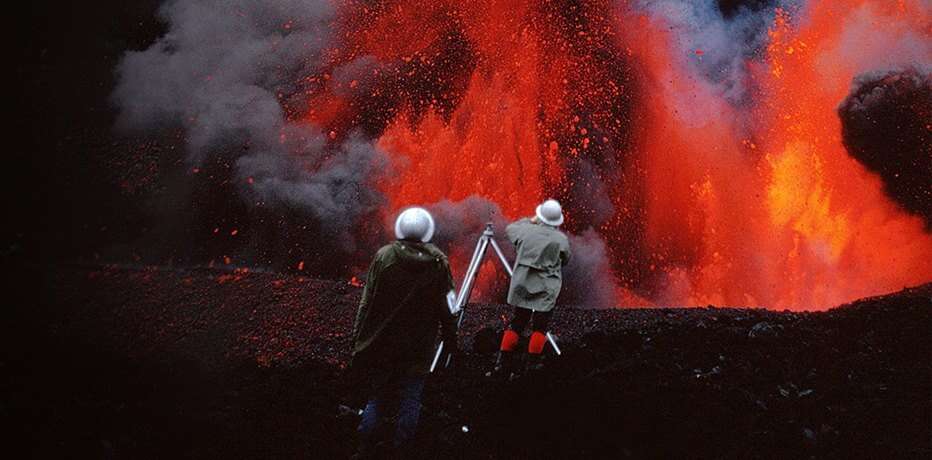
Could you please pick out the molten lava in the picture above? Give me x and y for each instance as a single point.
(700, 200)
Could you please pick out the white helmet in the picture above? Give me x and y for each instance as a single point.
(550, 213)
(414, 224)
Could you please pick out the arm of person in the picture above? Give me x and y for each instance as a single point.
(514, 230)
(372, 279)
(447, 319)
(565, 253)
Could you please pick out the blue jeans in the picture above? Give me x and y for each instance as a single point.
(405, 392)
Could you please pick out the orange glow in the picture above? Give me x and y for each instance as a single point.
(489, 148)
(788, 219)
(852, 241)
(757, 205)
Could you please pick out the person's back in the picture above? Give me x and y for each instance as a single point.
(542, 250)
(537, 278)
(403, 303)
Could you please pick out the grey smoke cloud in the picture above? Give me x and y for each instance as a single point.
(713, 46)
(334, 186)
(589, 278)
(460, 223)
(221, 69)
(866, 51)
(226, 73)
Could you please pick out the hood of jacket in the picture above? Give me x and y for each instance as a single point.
(416, 256)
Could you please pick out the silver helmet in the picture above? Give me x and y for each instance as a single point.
(414, 224)
(550, 213)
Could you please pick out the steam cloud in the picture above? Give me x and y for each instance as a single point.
(230, 74)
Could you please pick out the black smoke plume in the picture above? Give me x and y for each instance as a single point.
(886, 126)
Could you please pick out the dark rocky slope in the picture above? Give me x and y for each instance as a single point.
(153, 363)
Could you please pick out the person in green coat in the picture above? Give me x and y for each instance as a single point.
(542, 251)
(403, 304)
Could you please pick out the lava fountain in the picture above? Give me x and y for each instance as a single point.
(762, 204)
(698, 149)
(701, 200)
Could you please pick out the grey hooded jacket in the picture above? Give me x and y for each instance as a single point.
(542, 252)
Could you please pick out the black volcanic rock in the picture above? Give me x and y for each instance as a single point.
(160, 363)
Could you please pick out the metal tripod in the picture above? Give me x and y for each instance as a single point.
(487, 239)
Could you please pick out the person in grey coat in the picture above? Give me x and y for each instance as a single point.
(542, 251)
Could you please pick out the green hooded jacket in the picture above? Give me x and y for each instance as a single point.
(402, 305)
(542, 252)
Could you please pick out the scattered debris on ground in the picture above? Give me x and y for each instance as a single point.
(158, 363)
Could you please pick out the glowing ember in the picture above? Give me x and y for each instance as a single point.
(708, 171)
(788, 219)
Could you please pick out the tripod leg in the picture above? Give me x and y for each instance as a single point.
(459, 301)
(475, 255)
(476, 259)
(553, 342)
(468, 282)
(433, 365)
(501, 257)
(466, 289)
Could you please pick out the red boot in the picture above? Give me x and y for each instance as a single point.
(509, 340)
(535, 349)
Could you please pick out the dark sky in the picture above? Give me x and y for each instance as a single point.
(63, 63)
